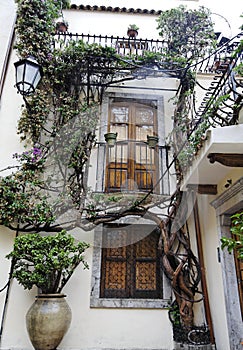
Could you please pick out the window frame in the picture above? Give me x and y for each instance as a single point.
(164, 186)
(132, 260)
(132, 169)
(97, 302)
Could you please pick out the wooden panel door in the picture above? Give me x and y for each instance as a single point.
(131, 164)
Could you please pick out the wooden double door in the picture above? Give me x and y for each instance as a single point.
(131, 164)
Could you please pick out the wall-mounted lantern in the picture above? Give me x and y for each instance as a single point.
(28, 75)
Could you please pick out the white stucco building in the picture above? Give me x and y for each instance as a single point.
(134, 320)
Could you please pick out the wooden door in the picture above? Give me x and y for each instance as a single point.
(131, 164)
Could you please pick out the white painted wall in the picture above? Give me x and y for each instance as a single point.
(96, 328)
(106, 24)
(7, 20)
(213, 271)
(226, 17)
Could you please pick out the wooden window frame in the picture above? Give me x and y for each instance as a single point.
(132, 303)
(132, 262)
(133, 172)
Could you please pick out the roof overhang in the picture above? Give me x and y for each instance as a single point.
(221, 152)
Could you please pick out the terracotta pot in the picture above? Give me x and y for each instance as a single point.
(132, 33)
(61, 27)
(47, 321)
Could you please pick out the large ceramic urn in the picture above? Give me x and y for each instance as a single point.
(47, 321)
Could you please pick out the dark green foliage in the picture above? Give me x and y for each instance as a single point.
(22, 201)
(46, 261)
(189, 33)
(235, 243)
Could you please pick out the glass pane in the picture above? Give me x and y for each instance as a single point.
(30, 73)
(144, 155)
(144, 116)
(118, 154)
(37, 79)
(119, 114)
(121, 130)
(20, 73)
(142, 131)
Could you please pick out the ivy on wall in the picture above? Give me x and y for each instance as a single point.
(48, 190)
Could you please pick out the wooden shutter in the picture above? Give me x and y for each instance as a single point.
(130, 265)
(146, 268)
(114, 263)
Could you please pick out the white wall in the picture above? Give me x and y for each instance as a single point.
(97, 328)
(7, 20)
(90, 328)
(213, 271)
(226, 18)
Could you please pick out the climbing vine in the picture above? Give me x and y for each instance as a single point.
(48, 189)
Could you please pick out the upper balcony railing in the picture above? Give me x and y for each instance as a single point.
(124, 46)
(213, 62)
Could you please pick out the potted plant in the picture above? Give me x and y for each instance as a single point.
(47, 262)
(152, 140)
(110, 138)
(132, 30)
(61, 27)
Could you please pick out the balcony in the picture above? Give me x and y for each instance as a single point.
(113, 167)
(221, 152)
(215, 63)
(132, 167)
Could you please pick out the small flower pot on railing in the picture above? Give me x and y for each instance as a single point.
(152, 141)
(132, 31)
(110, 138)
(61, 27)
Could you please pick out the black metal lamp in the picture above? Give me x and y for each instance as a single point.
(28, 75)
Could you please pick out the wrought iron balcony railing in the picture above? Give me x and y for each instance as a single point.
(132, 167)
(215, 62)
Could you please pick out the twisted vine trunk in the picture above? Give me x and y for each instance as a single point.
(180, 264)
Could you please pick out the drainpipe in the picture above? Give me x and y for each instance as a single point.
(203, 278)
